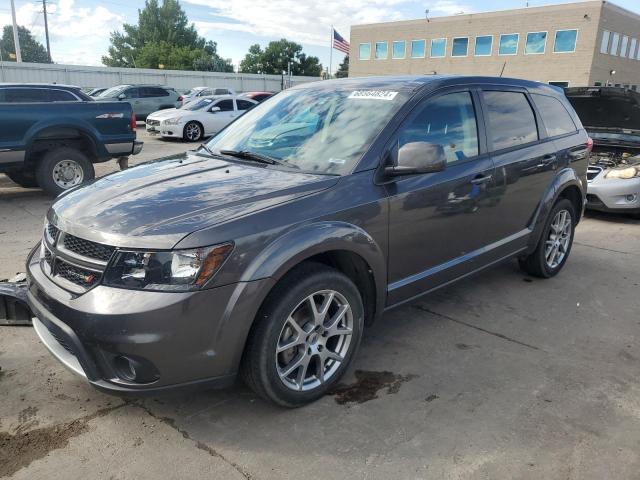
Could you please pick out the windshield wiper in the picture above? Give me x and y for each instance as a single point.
(207, 149)
(258, 157)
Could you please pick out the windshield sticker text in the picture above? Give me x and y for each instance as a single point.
(373, 94)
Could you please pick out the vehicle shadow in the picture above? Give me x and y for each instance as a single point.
(613, 217)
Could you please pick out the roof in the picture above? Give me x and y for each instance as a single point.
(48, 85)
(409, 83)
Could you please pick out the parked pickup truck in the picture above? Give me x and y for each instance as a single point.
(54, 145)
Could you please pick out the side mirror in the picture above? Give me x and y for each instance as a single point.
(214, 109)
(122, 96)
(418, 157)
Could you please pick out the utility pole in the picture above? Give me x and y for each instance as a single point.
(46, 28)
(16, 40)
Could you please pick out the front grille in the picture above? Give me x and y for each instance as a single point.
(48, 257)
(593, 172)
(52, 230)
(79, 276)
(87, 248)
(153, 123)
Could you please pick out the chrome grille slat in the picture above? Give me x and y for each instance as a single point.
(87, 248)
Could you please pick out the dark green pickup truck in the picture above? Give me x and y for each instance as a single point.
(51, 135)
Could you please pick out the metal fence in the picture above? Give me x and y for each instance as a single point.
(89, 77)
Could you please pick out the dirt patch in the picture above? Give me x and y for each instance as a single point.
(19, 450)
(367, 386)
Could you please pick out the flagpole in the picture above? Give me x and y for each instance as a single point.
(330, 52)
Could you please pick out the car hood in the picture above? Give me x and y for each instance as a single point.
(161, 114)
(606, 108)
(156, 204)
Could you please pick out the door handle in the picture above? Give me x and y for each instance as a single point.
(480, 179)
(547, 160)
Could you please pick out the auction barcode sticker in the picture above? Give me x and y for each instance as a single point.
(373, 94)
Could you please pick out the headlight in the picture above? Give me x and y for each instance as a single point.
(177, 270)
(625, 173)
(173, 121)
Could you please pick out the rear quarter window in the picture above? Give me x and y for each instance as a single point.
(555, 116)
(511, 119)
(24, 95)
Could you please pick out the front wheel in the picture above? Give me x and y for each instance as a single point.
(305, 336)
(63, 168)
(192, 132)
(555, 244)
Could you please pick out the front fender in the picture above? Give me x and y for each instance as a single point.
(304, 242)
(564, 179)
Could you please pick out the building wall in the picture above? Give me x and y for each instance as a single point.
(575, 68)
(626, 24)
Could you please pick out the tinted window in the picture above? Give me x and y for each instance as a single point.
(364, 51)
(449, 121)
(460, 47)
(509, 44)
(438, 47)
(484, 45)
(25, 95)
(131, 93)
(61, 96)
(536, 42)
(149, 92)
(221, 91)
(511, 119)
(417, 48)
(225, 105)
(244, 105)
(398, 49)
(554, 115)
(381, 50)
(565, 41)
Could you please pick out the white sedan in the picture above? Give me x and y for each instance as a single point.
(201, 118)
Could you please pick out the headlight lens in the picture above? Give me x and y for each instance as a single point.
(178, 270)
(624, 173)
(173, 121)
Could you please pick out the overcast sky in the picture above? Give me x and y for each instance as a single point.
(79, 29)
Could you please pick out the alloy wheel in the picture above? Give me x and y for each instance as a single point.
(67, 174)
(557, 243)
(192, 131)
(314, 340)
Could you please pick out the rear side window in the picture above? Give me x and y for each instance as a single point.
(25, 95)
(244, 105)
(554, 115)
(150, 92)
(225, 105)
(511, 119)
(221, 91)
(61, 96)
(449, 121)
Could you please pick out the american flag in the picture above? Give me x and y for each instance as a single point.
(340, 43)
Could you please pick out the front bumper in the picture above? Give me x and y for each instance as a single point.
(174, 339)
(614, 195)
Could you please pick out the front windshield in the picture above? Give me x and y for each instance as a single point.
(198, 104)
(320, 130)
(112, 92)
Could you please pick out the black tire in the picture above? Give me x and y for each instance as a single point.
(47, 169)
(259, 367)
(23, 178)
(191, 127)
(536, 263)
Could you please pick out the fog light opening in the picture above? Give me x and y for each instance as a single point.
(632, 197)
(125, 368)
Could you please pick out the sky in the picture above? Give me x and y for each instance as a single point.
(79, 29)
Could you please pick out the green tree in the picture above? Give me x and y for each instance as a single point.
(343, 68)
(30, 48)
(164, 36)
(277, 57)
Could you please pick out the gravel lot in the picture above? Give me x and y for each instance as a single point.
(499, 376)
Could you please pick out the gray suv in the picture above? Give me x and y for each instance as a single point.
(145, 99)
(268, 250)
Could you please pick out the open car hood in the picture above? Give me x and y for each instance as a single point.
(606, 109)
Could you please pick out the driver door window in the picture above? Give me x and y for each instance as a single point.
(225, 105)
(448, 121)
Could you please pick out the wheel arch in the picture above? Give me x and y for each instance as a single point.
(567, 184)
(49, 137)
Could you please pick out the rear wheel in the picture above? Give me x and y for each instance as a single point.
(192, 132)
(23, 178)
(555, 244)
(63, 168)
(305, 337)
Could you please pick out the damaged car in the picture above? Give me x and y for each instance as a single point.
(611, 116)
